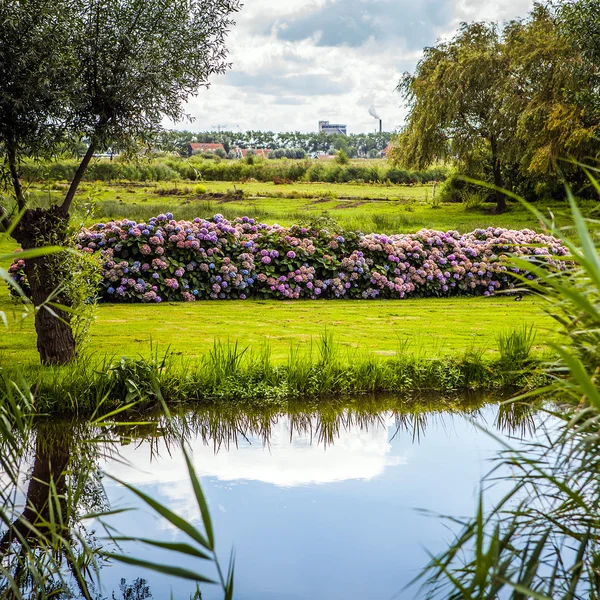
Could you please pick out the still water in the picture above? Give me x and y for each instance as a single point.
(315, 509)
(340, 502)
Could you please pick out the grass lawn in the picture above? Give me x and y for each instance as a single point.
(433, 327)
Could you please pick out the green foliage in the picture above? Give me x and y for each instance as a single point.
(81, 287)
(482, 99)
(341, 157)
(293, 145)
(515, 346)
(232, 374)
(456, 103)
(87, 72)
(109, 73)
(456, 189)
(474, 201)
(557, 114)
(173, 169)
(541, 539)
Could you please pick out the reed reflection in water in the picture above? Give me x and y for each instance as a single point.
(331, 443)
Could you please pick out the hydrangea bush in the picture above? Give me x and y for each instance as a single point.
(168, 260)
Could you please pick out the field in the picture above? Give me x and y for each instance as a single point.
(431, 327)
(369, 208)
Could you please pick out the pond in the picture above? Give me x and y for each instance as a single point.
(336, 502)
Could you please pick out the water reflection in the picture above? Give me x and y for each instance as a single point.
(322, 424)
(329, 445)
(47, 487)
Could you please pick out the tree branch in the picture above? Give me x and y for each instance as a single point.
(14, 175)
(66, 205)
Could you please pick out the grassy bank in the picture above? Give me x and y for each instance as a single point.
(230, 374)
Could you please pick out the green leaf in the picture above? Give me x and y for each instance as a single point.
(581, 376)
(201, 501)
(159, 568)
(168, 514)
(35, 253)
(180, 547)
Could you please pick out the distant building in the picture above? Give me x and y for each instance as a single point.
(243, 152)
(331, 128)
(197, 147)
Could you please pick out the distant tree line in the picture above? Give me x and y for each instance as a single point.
(171, 168)
(510, 104)
(360, 144)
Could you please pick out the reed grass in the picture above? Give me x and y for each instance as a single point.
(542, 538)
(233, 374)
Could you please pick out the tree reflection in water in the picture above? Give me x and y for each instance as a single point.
(46, 544)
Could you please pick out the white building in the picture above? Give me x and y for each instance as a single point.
(332, 128)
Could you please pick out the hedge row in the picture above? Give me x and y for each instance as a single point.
(173, 260)
(225, 170)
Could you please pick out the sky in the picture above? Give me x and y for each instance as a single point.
(296, 62)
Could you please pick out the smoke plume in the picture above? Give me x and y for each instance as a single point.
(373, 112)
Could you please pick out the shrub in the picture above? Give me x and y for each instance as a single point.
(342, 158)
(474, 201)
(214, 169)
(173, 260)
(455, 189)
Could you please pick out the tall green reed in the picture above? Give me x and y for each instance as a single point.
(542, 538)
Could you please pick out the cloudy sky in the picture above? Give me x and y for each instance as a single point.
(296, 62)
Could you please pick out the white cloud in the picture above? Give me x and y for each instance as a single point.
(287, 461)
(284, 79)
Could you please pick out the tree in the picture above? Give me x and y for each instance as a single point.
(457, 108)
(555, 58)
(108, 71)
(508, 103)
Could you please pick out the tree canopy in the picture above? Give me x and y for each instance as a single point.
(506, 102)
(106, 71)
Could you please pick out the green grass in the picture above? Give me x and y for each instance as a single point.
(430, 327)
(368, 207)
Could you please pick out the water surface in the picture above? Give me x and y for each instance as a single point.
(317, 508)
(319, 503)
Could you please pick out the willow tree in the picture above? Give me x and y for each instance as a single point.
(555, 86)
(457, 108)
(108, 71)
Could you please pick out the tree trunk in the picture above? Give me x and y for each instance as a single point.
(66, 205)
(498, 181)
(52, 455)
(39, 228)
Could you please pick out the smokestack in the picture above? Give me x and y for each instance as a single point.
(373, 112)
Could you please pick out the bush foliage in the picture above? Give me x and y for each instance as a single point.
(173, 260)
(173, 169)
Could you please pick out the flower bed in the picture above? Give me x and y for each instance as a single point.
(168, 260)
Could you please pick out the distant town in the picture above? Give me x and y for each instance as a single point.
(324, 143)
